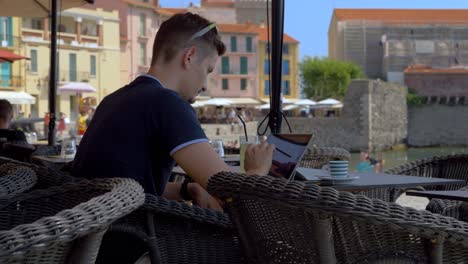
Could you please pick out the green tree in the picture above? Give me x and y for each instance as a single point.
(324, 78)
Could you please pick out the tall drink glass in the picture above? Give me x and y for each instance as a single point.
(244, 142)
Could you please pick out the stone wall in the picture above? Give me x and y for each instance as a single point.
(438, 125)
(357, 129)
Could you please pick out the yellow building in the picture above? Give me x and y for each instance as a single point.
(89, 52)
(10, 79)
(290, 66)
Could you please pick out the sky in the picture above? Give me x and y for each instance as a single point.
(308, 20)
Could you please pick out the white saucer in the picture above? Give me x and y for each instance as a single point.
(329, 178)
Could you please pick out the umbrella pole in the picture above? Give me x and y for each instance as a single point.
(277, 17)
(53, 71)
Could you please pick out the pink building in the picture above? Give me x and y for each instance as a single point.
(138, 27)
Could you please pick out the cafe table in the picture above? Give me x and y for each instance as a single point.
(363, 180)
(55, 162)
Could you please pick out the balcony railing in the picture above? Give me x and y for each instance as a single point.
(250, 71)
(11, 81)
(74, 76)
(9, 41)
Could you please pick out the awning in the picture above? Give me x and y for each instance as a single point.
(77, 87)
(242, 101)
(17, 97)
(8, 56)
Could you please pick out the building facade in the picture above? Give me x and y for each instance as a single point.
(290, 66)
(384, 42)
(236, 73)
(88, 51)
(10, 78)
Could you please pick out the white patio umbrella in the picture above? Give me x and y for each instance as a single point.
(17, 97)
(290, 107)
(329, 101)
(77, 87)
(217, 102)
(305, 102)
(264, 106)
(198, 104)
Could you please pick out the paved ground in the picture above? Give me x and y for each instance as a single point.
(419, 203)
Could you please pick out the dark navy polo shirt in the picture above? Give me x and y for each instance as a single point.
(134, 132)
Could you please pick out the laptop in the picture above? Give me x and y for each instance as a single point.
(290, 149)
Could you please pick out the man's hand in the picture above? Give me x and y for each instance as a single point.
(258, 158)
(202, 198)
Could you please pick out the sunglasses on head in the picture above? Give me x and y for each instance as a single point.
(204, 30)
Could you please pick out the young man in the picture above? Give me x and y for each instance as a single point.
(142, 129)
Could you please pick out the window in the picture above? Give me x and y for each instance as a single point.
(285, 88)
(285, 67)
(5, 74)
(33, 57)
(248, 44)
(6, 31)
(225, 65)
(266, 69)
(225, 84)
(92, 66)
(267, 87)
(243, 84)
(286, 48)
(72, 67)
(142, 25)
(233, 43)
(243, 65)
(142, 53)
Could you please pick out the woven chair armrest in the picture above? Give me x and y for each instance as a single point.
(329, 151)
(159, 205)
(120, 197)
(16, 180)
(312, 197)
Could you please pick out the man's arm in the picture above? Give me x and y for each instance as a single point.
(200, 161)
(199, 195)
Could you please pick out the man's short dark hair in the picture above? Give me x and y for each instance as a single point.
(6, 110)
(174, 35)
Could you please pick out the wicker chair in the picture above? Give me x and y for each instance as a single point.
(299, 222)
(316, 157)
(14, 180)
(46, 176)
(448, 167)
(172, 232)
(63, 224)
(455, 209)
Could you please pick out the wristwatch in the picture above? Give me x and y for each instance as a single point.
(184, 190)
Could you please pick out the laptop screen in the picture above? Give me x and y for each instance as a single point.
(289, 151)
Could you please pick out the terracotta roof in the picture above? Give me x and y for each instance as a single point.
(263, 36)
(229, 3)
(238, 28)
(252, 29)
(428, 70)
(170, 11)
(451, 16)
